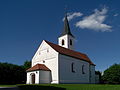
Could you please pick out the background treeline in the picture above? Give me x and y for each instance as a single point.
(13, 74)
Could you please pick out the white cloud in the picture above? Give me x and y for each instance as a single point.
(71, 16)
(95, 21)
(116, 14)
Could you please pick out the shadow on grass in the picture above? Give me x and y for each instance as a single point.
(39, 87)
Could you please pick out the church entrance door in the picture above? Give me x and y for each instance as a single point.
(33, 78)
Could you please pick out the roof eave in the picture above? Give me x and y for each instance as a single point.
(37, 70)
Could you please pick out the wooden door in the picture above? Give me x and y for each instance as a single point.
(33, 78)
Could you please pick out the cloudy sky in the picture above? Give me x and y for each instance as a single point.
(94, 23)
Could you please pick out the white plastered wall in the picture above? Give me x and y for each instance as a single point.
(49, 57)
(45, 77)
(66, 39)
(65, 73)
(92, 72)
(29, 81)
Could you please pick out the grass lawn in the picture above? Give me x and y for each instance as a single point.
(69, 87)
(7, 85)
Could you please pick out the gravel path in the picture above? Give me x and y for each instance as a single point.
(9, 88)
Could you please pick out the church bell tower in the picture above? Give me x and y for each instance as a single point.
(66, 39)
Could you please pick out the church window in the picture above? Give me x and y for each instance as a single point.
(63, 42)
(43, 61)
(83, 69)
(72, 67)
(70, 42)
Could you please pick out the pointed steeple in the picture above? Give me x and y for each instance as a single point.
(66, 39)
(66, 29)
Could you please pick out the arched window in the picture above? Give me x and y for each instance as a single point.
(73, 67)
(70, 42)
(63, 42)
(83, 69)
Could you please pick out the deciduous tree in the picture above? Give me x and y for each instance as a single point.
(112, 74)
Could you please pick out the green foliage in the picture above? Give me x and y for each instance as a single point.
(12, 74)
(27, 65)
(98, 73)
(112, 74)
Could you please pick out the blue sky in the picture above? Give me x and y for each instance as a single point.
(94, 23)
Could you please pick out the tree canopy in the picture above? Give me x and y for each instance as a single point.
(27, 64)
(13, 74)
(112, 74)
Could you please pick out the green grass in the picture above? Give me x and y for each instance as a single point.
(7, 85)
(69, 87)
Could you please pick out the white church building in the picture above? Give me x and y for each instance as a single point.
(60, 63)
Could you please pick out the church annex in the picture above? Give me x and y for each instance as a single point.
(60, 63)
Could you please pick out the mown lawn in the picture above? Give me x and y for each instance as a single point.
(69, 87)
(7, 85)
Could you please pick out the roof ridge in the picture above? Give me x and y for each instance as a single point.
(69, 52)
(38, 67)
(64, 47)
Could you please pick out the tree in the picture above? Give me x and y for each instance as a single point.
(112, 74)
(27, 65)
(12, 74)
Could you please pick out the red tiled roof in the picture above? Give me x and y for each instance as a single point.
(69, 52)
(38, 67)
